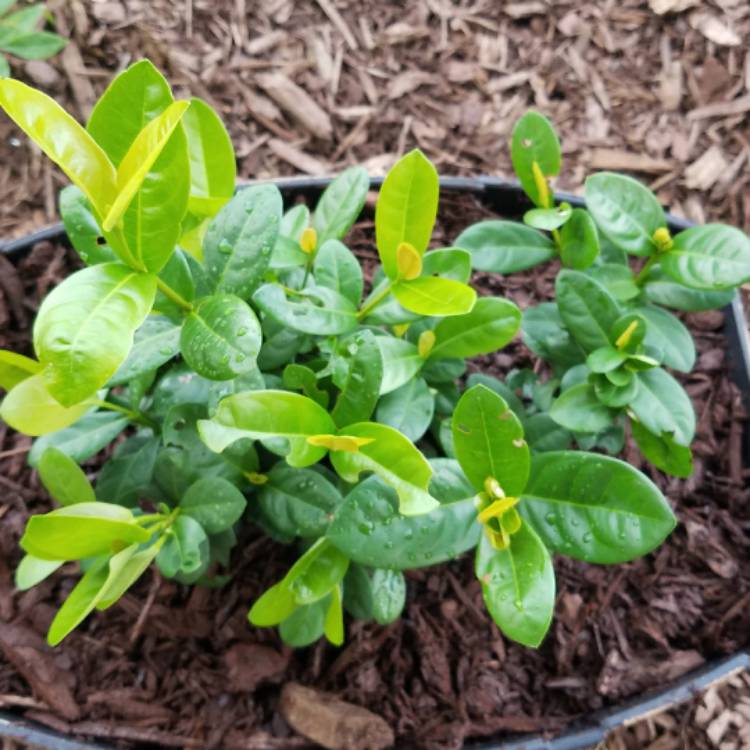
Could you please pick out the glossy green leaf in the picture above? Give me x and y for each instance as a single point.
(275, 605)
(127, 476)
(548, 219)
(82, 228)
(578, 409)
(84, 329)
(63, 140)
(492, 323)
(518, 586)
(340, 205)
(315, 574)
(302, 378)
(617, 279)
(306, 624)
(361, 388)
(215, 503)
(663, 290)
(594, 508)
(179, 385)
(294, 222)
(662, 451)
(183, 275)
(80, 530)
(488, 440)
(605, 359)
(614, 395)
(393, 458)
(317, 311)
(16, 367)
(336, 267)
(221, 337)
(406, 208)
(534, 140)
(545, 335)
(269, 414)
(333, 627)
(238, 242)
(155, 342)
(408, 409)
(401, 362)
(505, 246)
(626, 211)
(448, 263)
(667, 335)
(374, 593)
(433, 295)
(30, 409)
(662, 405)
(135, 566)
(32, 570)
(710, 257)
(64, 479)
(544, 434)
(185, 549)
(579, 240)
(586, 307)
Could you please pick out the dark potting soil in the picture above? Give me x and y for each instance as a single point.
(180, 667)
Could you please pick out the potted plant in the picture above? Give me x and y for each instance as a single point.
(230, 349)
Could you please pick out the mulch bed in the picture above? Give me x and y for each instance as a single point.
(181, 667)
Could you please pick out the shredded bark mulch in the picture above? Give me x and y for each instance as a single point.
(181, 667)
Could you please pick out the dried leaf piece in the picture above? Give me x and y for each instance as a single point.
(671, 6)
(298, 103)
(706, 170)
(714, 30)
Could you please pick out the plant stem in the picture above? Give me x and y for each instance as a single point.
(375, 301)
(170, 294)
(133, 416)
(558, 241)
(130, 258)
(639, 279)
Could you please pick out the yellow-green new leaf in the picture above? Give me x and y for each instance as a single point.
(15, 367)
(32, 570)
(84, 329)
(63, 140)
(432, 295)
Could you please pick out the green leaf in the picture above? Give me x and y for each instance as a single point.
(333, 628)
(336, 267)
(361, 388)
(183, 275)
(544, 434)
(4, 67)
(294, 222)
(64, 479)
(32, 570)
(274, 606)
(594, 508)
(302, 378)
(178, 385)
(185, 551)
(505, 246)
(626, 211)
(662, 290)
(433, 295)
(221, 337)
(63, 140)
(662, 405)
(238, 242)
(375, 593)
(586, 307)
(662, 451)
(579, 240)
(155, 342)
(298, 502)
(340, 205)
(15, 367)
(319, 311)
(605, 359)
(26, 18)
(84, 329)
(666, 334)
(124, 577)
(578, 409)
(488, 440)
(406, 208)
(548, 218)
(518, 585)
(369, 529)
(408, 409)
(492, 323)
(448, 263)
(316, 573)
(81, 530)
(534, 140)
(82, 227)
(30, 409)
(401, 362)
(35, 45)
(215, 503)
(393, 458)
(127, 476)
(213, 170)
(544, 334)
(306, 624)
(711, 257)
(83, 439)
(615, 395)
(617, 279)
(269, 414)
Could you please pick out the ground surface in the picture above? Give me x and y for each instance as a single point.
(666, 97)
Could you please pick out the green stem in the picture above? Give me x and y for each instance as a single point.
(129, 257)
(639, 279)
(558, 241)
(308, 267)
(375, 301)
(133, 416)
(172, 295)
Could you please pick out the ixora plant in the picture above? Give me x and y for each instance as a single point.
(233, 343)
(20, 36)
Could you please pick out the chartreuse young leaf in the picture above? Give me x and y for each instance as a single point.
(337, 268)
(394, 458)
(401, 362)
(668, 336)
(490, 325)
(64, 479)
(213, 169)
(361, 387)
(238, 242)
(662, 451)
(548, 219)
(535, 153)
(84, 329)
(221, 337)
(711, 257)
(15, 367)
(406, 208)
(594, 508)
(586, 307)
(154, 343)
(409, 409)
(81, 530)
(82, 228)
(488, 440)
(661, 289)
(661, 405)
(30, 409)
(518, 585)
(579, 410)
(63, 140)
(448, 263)
(579, 240)
(269, 414)
(215, 503)
(505, 246)
(433, 295)
(340, 204)
(32, 570)
(626, 211)
(135, 566)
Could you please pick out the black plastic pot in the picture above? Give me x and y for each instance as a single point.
(506, 199)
